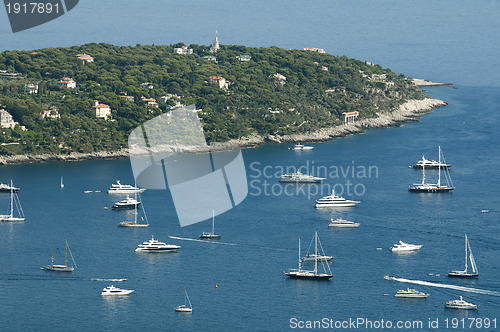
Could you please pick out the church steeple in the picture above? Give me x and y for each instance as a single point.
(215, 46)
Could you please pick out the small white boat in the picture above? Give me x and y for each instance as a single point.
(411, 294)
(14, 202)
(156, 246)
(300, 147)
(211, 235)
(118, 188)
(115, 291)
(62, 184)
(186, 307)
(342, 223)
(460, 304)
(300, 178)
(61, 268)
(401, 246)
(87, 191)
(485, 211)
(6, 188)
(334, 201)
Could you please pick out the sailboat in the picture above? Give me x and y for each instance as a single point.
(14, 200)
(468, 256)
(185, 307)
(211, 235)
(135, 223)
(62, 184)
(437, 187)
(312, 274)
(61, 268)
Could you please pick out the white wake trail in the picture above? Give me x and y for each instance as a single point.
(460, 288)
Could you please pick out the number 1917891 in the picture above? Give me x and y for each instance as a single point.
(471, 323)
(32, 8)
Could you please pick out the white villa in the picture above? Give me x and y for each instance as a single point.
(184, 50)
(102, 111)
(67, 82)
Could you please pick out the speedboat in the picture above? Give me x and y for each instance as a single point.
(299, 177)
(401, 246)
(334, 201)
(118, 188)
(460, 304)
(411, 293)
(342, 223)
(300, 147)
(112, 290)
(126, 204)
(313, 258)
(156, 246)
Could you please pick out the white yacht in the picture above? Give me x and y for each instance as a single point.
(156, 246)
(299, 177)
(118, 188)
(411, 293)
(186, 307)
(460, 304)
(300, 147)
(134, 223)
(112, 290)
(334, 201)
(126, 204)
(401, 246)
(342, 223)
(6, 188)
(430, 164)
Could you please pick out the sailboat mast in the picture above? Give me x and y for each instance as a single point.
(439, 167)
(135, 208)
(65, 253)
(466, 242)
(213, 222)
(299, 253)
(423, 175)
(315, 252)
(11, 199)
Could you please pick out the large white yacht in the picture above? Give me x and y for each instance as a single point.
(342, 223)
(334, 201)
(118, 188)
(460, 304)
(112, 290)
(411, 293)
(429, 164)
(299, 177)
(401, 246)
(126, 204)
(156, 246)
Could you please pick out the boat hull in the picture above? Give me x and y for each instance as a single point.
(356, 225)
(412, 296)
(58, 268)
(308, 276)
(131, 224)
(463, 275)
(126, 192)
(468, 307)
(11, 219)
(210, 236)
(319, 206)
(430, 190)
(318, 180)
(125, 207)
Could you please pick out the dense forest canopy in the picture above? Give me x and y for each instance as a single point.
(275, 91)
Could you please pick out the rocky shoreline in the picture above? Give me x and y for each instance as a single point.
(421, 82)
(407, 112)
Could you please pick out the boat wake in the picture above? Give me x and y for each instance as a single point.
(100, 279)
(226, 243)
(460, 288)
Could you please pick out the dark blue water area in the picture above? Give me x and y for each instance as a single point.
(237, 282)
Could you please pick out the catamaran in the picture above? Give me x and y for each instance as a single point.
(61, 268)
(312, 274)
(468, 256)
(211, 235)
(135, 223)
(434, 187)
(14, 201)
(185, 307)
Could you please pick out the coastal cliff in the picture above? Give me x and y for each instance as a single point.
(407, 112)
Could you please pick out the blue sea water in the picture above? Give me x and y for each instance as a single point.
(237, 283)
